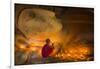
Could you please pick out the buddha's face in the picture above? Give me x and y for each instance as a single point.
(36, 21)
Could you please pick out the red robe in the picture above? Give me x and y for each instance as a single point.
(46, 51)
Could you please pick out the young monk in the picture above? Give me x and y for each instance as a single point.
(47, 50)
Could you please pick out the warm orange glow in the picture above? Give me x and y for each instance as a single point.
(39, 40)
(75, 53)
(72, 52)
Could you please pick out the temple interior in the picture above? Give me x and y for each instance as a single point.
(70, 29)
